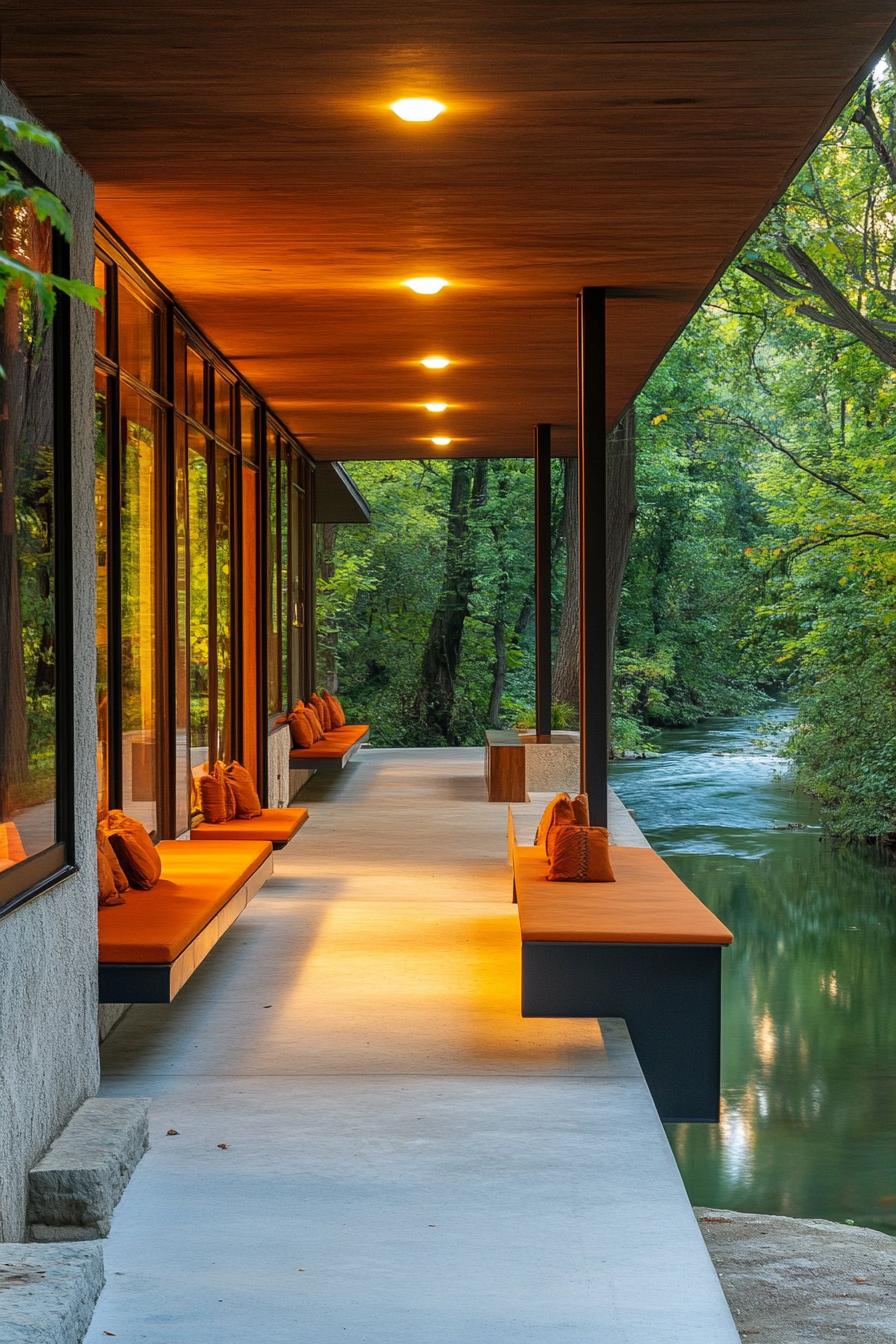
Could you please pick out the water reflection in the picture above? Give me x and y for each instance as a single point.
(809, 1015)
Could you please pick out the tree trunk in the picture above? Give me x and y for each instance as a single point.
(621, 523)
(499, 675)
(441, 654)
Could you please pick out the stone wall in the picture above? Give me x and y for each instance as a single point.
(49, 1059)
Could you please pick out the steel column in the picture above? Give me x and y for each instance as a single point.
(593, 626)
(543, 582)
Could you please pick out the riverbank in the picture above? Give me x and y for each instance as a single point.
(803, 1281)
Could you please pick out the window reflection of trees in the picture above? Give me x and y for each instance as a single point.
(27, 565)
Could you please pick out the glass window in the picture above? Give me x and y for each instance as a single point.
(197, 505)
(101, 280)
(223, 408)
(180, 368)
(223, 603)
(283, 567)
(101, 496)
(138, 336)
(249, 621)
(141, 429)
(28, 710)
(183, 793)
(248, 428)
(196, 386)
(275, 702)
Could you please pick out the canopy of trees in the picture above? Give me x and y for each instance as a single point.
(763, 556)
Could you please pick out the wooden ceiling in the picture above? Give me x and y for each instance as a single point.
(247, 154)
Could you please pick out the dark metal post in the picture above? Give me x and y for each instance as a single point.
(594, 706)
(543, 583)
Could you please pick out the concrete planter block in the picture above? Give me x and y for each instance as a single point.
(48, 1293)
(77, 1183)
(552, 767)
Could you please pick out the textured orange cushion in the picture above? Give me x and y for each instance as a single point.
(213, 798)
(300, 728)
(322, 711)
(119, 876)
(242, 787)
(11, 847)
(579, 854)
(277, 824)
(197, 881)
(133, 849)
(316, 725)
(561, 811)
(107, 892)
(337, 713)
(647, 903)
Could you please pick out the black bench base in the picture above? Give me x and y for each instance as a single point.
(669, 996)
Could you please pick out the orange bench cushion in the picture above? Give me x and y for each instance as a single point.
(277, 824)
(646, 904)
(334, 743)
(155, 926)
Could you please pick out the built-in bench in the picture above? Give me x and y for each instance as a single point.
(333, 752)
(276, 824)
(642, 948)
(151, 945)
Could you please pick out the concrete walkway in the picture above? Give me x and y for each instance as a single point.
(371, 1144)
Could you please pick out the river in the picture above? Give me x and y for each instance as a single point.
(808, 1122)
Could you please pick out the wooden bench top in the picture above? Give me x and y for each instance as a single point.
(336, 747)
(277, 824)
(646, 904)
(154, 927)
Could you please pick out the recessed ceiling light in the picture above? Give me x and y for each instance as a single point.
(425, 284)
(418, 109)
(436, 407)
(441, 442)
(435, 362)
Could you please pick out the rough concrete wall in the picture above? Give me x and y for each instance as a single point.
(49, 1060)
(109, 1016)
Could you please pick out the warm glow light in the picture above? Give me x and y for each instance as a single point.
(436, 407)
(418, 109)
(425, 284)
(435, 362)
(441, 442)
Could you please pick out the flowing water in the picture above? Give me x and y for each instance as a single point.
(808, 1124)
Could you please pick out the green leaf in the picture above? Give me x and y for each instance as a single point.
(26, 130)
(78, 289)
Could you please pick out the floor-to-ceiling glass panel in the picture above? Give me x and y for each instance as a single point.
(249, 622)
(141, 433)
(182, 772)
(101, 494)
(275, 700)
(28, 710)
(197, 505)
(223, 603)
(297, 591)
(286, 615)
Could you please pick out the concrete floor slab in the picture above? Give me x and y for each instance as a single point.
(371, 1143)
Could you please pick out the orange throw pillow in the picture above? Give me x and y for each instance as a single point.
(561, 811)
(320, 708)
(134, 850)
(229, 795)
(119, 877)
(337, 713)
(300, 728)
(242, 786)
(580, 854)
(316, 725)
(213, 798)
(11, 848)
(107, 891)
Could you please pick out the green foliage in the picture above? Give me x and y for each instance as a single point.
(43, 286)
